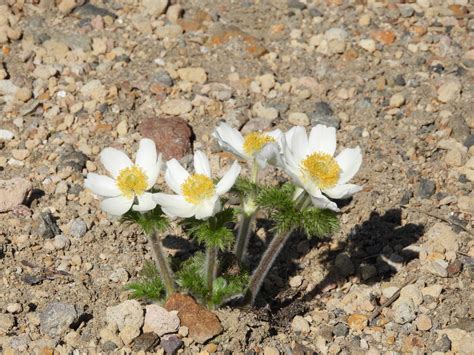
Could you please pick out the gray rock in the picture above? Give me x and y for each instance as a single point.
(404, 311)
(20, 342)
(6, 323)
(295, 4)
(406, 11)
(469, 142)
(46, 226)
(127, 317)
(77, 228)
(91, 10)
(159, 321)
(56, 318)
(171, 344)
(344, 264)
(74, 159)
(323, 114)
(340, 330)
(443, 344)
(427, 188)
(75, 41)
(163, 78)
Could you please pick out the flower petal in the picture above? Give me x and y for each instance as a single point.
(230, 140)
(146, 159)
(299, 144)
(175, 175)
(174, 205)
(342, 191)
(116, 206)
(228, 180)
(153, 173)
(322, 139)
(114, 161)
(269, 153)
(145, 202)
(349, 161)
(201, 164)
(208, 208)
(101, 185)
(321, 201)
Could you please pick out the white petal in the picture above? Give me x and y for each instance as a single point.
(342, 191)
(201, 164)
(321, 201)
(114, 161)
(175, 175)
(349, 161)
(146, 158)
(208, 208)
(145, 202)
(228, 180)
(275, 134)
(299, 144)
(289, 134)
(230, 140)
(322, 139)
(174, 205)
(101, 185)
(116, 206)
(153, 173)
(269, 153)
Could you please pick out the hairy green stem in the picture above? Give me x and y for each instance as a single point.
(211, 266)
(161, 262)
(243, 235)
(265, 265)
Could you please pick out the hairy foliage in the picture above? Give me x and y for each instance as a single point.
(192, 278)
(286, 215)
(245, 187)
(214, 231)
(149, 286)
(149, 221)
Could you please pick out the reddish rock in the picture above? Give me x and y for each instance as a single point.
(202, 323)
(357, 321)
(385, 37)
(172, 135)
(13, 192)
(226, 34)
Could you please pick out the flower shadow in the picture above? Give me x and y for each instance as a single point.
(373, 251)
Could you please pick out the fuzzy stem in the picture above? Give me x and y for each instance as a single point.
(265, 265)
(243, 236)
(161, 262)
(211, 266)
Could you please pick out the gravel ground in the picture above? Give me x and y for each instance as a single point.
(395, 77)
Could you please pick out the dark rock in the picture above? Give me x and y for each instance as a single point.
(399, 80)
(77, 228)
(171, 344)
(437, 68)
(146, 342)
(406, 11)
(469, 142)
(56, 318)
(344, 264)
(74, 159)
(427, 188)
(407, 195)
(314, 12)
(109, 346)
(91, 10)
(46, 226)
(340, 330)
(163, 78)
(454, 268)
(323, 114)
(295, 4)
(172, 135)
(443, 344)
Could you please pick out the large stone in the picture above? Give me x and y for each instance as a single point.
(154, 7)
(404, 311)
(441, 238)
(194, 75)
(449, 90)
(172, 135)
(202, 323)
(159, 321)
(177, 107)
(127, 317)
(56, 318)
(13, 192)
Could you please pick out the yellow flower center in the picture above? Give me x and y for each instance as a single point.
(197, 187)
(131, 181)
(322, 169)
(254, 142)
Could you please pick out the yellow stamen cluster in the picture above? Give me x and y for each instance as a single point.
(322, 169)
(254, 142)
(131, 181)
(197, 187)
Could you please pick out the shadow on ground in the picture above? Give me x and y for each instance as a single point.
(374, 249)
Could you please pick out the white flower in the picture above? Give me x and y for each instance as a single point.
(261, 146)
(311, 164)
(129, 182)
(197, 195)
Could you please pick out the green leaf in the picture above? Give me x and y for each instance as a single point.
(149, 287)
(245, 187)
(149, 221)
(318, 222)
(214, 231)
(226, 287)
(192, 276)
